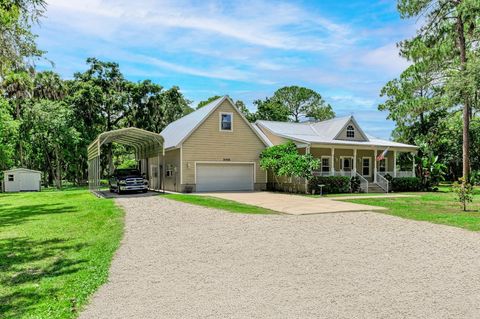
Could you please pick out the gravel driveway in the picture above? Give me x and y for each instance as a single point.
(183, 261)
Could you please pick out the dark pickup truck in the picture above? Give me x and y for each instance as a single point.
(125, 180)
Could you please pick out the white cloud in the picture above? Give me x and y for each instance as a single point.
(385, 58)
(263, 23)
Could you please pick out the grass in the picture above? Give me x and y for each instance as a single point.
(55, 251)
(436, 207)
(219, 203)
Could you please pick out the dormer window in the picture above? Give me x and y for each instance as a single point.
(226, 122)
(350, 131)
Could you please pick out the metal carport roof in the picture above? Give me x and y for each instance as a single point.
(139, 139)
(145, 144)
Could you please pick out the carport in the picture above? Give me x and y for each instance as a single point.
(146, 145)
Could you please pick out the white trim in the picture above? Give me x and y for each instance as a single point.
(220, 121)
(181, 164)
(394, 163)
(355, 160)
(227, 162)
(332, 168)
(369, 166)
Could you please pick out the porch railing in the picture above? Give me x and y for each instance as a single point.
(399, 173)
(363, 183)
(336, 173)
(382, 182)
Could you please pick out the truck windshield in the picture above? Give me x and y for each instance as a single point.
(127, 172)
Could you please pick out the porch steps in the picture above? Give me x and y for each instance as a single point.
(374, 188)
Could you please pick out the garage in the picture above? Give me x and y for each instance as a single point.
(211, 177)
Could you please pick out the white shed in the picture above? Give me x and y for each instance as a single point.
(21, 180)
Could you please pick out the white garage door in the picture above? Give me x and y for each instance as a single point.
(224, 177)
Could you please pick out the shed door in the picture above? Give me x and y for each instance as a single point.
(29, 181)
(224, 177)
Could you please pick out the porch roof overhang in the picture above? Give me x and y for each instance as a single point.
(140, 140)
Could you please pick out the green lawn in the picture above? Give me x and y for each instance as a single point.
(219, 203)
(55, 251)
(436, 207)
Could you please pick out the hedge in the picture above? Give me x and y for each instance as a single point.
(333, 184)
(406, 184)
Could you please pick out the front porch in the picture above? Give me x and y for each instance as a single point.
(362, 163)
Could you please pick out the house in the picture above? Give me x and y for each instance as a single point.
(213, 149)
(21, 180)
(216, 149)
(343, 148)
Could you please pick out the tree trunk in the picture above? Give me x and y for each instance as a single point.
(466, 103)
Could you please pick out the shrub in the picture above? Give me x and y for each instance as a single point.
(333, 184)
(464, 192)
(475, 178)
(406, 184)
(355, 184)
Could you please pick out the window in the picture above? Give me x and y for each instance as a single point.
(11, 178)
(350, 131)
(326, 164)
(226, 121)
(382, 165)
(366, 166)
(347, 164)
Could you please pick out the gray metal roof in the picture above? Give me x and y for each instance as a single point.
(176, 132)
(325, 132)
(139, 139)
(21, 169)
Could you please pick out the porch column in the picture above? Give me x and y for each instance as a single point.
(332, 164)
(354, 161)
(375, 166)
(413, 165)
(394, 163)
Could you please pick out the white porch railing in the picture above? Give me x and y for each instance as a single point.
(399, 173)
(336, 173)
(363, 183)
(382, 182)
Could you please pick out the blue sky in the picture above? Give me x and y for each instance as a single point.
(343, 49)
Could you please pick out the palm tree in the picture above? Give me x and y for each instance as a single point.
(49, 86)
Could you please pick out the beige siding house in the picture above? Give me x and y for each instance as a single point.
(213, 149)
(343, 148)
(216, 149)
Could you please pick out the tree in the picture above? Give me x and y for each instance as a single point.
(464, 192)
(303, 102)
(207, 101)
(8, 135)
(447, 39)
(293, 103)
(16, 39)
(269, 110)
(284, 160)
(107, 80)
(48, 85)
(52, 137)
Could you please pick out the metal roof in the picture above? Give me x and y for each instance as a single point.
(139, 139)
(21, 169)
(177, 132)
(325, 132)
